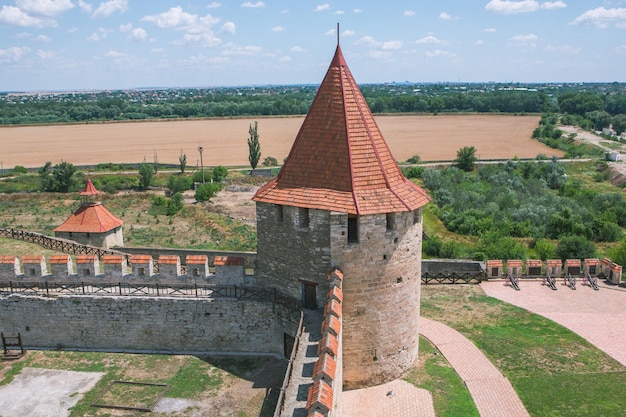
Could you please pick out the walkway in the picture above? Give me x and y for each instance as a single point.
(302, 374)
(493, 394)
(598, 316)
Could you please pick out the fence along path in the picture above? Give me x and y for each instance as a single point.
(58, 244)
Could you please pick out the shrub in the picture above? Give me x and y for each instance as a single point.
(179, 183)
(545, 249)
(146, 175)
(206, 191)
(415, 159)
(413, 172)
(269, 161)
(575, 247)
(432, 246)
(20, 170)
(219, 173)
(175, 204)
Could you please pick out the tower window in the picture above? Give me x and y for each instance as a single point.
(279, 213)
(353, 228)
(391, 222)
(417, 216)
(303, 217)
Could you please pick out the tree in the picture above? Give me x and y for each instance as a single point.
(175, 204)
(575, 247)
(254, 146)
(619, 123)
(269, 161)
(206, 191)
(219, 173)
(57, 179)
(182, 162)
(179, 183)
(466, 158)
(599, 118)
(146, 175)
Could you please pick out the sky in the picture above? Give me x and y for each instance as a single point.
(52, 45)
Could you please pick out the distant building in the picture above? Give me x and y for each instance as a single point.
(92, 224)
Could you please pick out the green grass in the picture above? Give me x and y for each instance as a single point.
(450, 396)
(194, 377)
(555, 372)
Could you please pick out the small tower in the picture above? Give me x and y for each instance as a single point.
(92, 224)
(341, 201)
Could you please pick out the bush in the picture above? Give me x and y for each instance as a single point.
(219, 173)
(432, 246)
(270, 161)
(545, 249)
(206, 191)
(20, 170)
(415, 159)
(413, 172)
(179, 183)
(175, 204)
(575, 247)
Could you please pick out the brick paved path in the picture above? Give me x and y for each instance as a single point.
(493, 394)
(598, 316)
(394, 399)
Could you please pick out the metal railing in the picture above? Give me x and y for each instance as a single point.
(55, 289)
(454, 278)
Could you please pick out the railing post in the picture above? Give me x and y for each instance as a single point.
(195, 285)
(82, 283)
(157, 288)
(119, 285)
(47, 291)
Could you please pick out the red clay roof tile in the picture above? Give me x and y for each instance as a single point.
(331, 324)
(554, 262)
(513, 263)
(592, 261)
(336, 293)
(32, 259)
(169, 260)
(333, 307)
(90, 189)
(59, 259)
(140, 259)
(320, 397)
(325, 368)
(7, 259)
(572, 262)
(228, 261)
(328, 344)
(493, 263)
(112, 259)
(196, 259)
(340, 160)
(90, 218)
(86, 259)
(534, 263)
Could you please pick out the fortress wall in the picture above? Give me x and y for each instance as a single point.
(164, 324)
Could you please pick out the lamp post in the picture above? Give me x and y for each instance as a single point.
(200, 149)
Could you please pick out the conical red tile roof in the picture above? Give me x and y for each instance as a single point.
(90, 189)
(91, 218)
(340, 160)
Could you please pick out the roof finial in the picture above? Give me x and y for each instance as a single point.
(337, 33)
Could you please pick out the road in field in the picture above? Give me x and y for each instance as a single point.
(225, 140)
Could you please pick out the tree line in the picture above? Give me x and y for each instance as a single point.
(296, 100)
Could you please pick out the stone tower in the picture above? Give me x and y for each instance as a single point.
(340, 200)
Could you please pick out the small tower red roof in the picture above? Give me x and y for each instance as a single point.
(90, 189)
(340, 160)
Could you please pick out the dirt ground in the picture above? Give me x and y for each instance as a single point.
(224, 141)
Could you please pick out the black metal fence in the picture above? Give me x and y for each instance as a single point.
(55, 289)
(454, 278)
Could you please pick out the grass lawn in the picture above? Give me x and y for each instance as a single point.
(555, 372)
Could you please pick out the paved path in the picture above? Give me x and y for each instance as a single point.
(394, 399)
(493, 394)
(598, 316)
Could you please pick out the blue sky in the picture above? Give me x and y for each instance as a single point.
(118, 44)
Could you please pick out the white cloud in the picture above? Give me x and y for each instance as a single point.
(523, 6)
(251, 5)
(601, 17)
(551, 5)
(14, 53)
(285, 59)
(228, 27)
(339, 12)
(322, 7)
(107, 8)
(531, 37)
(213, 5)
(446, 16)
(297, 49)
(94, 37)
(84, 6)
(115, 54)
(43, 55)
(348, 33)
(126, 28)
(278, 29)
(438, 53)
(431, 39)
(174, 18)
(367, 40)
(13, 16)
(489, 30)
(380, 54)
(479, 42)
(357, 10)
(233, 49)
(44, 7)
(409, 13)
(563, 49)
(43, 38)
(391, 45)
(138, 34)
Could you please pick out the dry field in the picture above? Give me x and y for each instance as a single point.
(225, 140)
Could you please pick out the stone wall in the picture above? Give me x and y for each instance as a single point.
(302, 255)
(144, 324)
(381, 288)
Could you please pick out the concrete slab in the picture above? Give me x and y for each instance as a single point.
(45, 392)
(396, 398)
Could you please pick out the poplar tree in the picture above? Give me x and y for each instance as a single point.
(254, 146)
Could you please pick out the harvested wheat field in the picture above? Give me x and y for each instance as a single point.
(433, 138)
